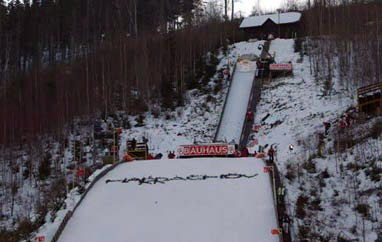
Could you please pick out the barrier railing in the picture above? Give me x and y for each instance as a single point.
(254, 98)
(70, 213)
(225, 102)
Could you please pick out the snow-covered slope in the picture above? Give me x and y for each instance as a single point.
(233, 202)
(283, 49)
(327, 186)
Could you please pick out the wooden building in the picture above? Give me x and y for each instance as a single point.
(282, 25)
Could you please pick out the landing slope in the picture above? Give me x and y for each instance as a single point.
(183, 207)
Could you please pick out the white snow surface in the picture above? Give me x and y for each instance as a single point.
(283, 49)
(49, 229)
(202, 210)
(297, 109)
(195, 122)
(237, 103)
(285, 18)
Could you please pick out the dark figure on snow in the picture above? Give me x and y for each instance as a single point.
(171, 155)
(158, 156)
(133, 144)
(281, 193)
(286, 222)
(254, 154)
(244, 152)
(249, 116)
(347, 120)
(271, 154)
(327, 127)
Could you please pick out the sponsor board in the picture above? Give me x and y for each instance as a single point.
(206, 150)
(280, 67)
(276, 231)
(40, 238)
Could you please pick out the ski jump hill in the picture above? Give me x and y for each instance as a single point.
(201, 199)
(235, 108)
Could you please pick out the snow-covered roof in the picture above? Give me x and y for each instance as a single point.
(285, 18)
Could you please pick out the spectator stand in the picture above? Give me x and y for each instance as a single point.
(138, 151)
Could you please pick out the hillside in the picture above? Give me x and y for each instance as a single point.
(331, 193)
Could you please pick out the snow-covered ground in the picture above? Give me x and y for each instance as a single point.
(186, 208)
(195, 122)
(49, 229)
(283, 49)
(291, 112)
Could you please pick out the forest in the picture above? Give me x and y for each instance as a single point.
(65, 65)
(63, 59)
(67, 60)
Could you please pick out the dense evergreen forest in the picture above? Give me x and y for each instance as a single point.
(68, 58)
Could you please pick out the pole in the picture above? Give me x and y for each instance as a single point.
(274, 183)
(113, 146)
(278, 10)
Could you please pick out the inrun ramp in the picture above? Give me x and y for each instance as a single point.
(237, 102)
(209, 200)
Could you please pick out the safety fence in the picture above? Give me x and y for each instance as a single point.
(225, 102)
(70, 213)
(280, 206)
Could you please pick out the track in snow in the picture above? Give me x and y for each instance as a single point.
(214, 209)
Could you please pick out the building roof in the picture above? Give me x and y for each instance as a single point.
(285, 18)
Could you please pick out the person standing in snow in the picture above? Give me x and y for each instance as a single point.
(171, 155)
(133, 144)
(286, 222)
(144, 139)
(271, 153)
(281, 193)
(249, 116)
(244, 152)
(327, 127)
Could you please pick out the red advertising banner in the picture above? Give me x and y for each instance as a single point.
(268, 168)
(206, 150)
(276, 231)
(40, 238)
(280, 67)
(256, 127)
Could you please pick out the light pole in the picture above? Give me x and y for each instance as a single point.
(279, 10)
